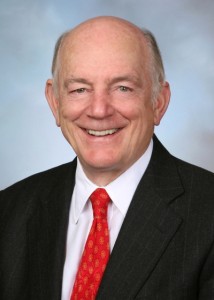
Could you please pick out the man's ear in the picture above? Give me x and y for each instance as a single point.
(52, 100)
(161, 103)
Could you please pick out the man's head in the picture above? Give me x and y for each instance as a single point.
(155, 64)
(107, 93)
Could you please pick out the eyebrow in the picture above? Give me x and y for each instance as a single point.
(128, 78)
(75, 80)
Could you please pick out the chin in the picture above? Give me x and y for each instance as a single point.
(102, 163)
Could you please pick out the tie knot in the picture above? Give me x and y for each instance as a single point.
(100, 199)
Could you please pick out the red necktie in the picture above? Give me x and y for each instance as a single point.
(96, 253)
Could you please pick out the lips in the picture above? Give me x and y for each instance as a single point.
(102, 132)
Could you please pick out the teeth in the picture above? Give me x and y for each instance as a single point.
(102, 132)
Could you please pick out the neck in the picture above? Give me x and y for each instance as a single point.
(102, 178)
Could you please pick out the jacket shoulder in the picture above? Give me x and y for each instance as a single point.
(197, 179)
(197, 172)
(168, 169)
(23, 195)
(40, 179)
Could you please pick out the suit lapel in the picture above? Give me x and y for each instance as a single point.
(148, 228)
(47, 231)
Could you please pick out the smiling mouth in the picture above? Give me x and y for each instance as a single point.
(102, 132)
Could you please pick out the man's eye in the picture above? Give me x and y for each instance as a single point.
(123, 88)
(79, 91)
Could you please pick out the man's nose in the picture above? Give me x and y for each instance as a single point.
(101, 106)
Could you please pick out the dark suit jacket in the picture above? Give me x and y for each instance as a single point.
(164, 250)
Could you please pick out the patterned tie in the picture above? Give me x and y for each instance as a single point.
(96, 253)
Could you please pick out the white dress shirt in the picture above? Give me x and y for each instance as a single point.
(121, 191)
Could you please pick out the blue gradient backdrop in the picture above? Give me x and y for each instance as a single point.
(30, 141)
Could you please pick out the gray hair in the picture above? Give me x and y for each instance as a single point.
(155, 66)
(54, 68)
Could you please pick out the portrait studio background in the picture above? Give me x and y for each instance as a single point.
(30, 141)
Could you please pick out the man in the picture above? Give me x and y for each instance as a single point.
(107, 93)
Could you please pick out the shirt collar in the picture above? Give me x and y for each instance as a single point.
(82, 191)
(121, 190)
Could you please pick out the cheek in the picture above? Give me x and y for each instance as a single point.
(128, 109)
(142, 124)
(69, 112)
(137, 111)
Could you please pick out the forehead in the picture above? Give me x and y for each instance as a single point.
(99, 28)
(103, 38)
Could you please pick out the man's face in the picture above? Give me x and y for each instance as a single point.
(104, 105)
